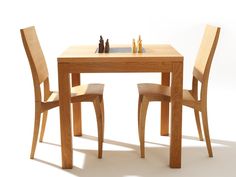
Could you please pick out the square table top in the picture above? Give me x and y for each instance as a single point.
(120, 52)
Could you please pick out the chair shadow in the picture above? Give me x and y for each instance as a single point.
(119, 163)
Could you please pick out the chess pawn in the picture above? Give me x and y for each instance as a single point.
(134, 48)
(101, 45)
(107, 46)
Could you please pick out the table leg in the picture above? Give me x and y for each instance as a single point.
(165, 80)
(77, 121)
(65, 119)
(176, 115)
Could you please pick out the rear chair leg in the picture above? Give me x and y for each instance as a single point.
(206, 132)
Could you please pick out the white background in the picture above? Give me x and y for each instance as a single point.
(62, 23)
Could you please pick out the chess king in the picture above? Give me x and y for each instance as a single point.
(101, 45)
(140, 47)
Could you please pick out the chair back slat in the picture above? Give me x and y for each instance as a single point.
(206, 52)
(35, 55)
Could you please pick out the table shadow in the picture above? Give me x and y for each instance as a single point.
(122, 163)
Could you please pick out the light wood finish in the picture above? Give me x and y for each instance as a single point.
(77, 94)
(165, 80)
(155, 92)
(99, 114)
(77, 121)
(156, 58)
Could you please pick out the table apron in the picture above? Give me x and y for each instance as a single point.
(117, 67)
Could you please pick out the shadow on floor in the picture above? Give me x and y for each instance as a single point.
(115, 163)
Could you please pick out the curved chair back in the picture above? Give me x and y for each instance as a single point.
(204, 58)
(36, 59)
(206, 53)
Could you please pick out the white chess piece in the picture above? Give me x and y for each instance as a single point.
(134, 46)
(140, 47)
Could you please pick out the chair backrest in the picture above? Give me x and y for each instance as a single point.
(35, 54)
(206, 52)
(36, 59)
(203, 61)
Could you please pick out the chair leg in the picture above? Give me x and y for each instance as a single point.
(142, 120)
(206, 132)
(44, 121)
(36, 129)
(97, 107)
(139, 105)
(196, 112)
(103, 118)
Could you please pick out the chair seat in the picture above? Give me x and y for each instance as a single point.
(154, 91)
(162, 93)
(87, 90)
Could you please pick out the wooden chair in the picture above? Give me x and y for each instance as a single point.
(91, 92)
(154, 92)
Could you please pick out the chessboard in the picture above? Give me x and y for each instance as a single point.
(120, 50)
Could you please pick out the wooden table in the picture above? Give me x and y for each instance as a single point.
(156, 58)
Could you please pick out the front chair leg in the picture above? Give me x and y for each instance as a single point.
(97, 107)
(139, 105)
(196, 112)
(142, 121)
(36, 129)
(44, 121)
(103, 117)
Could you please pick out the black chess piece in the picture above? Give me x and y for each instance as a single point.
(101, 45)
(107, 47)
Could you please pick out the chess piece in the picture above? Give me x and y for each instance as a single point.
(134, 48)
(140, 47)
(139, 38)
(101, 45)
(107, 47)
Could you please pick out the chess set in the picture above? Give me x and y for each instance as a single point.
(136, 47)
